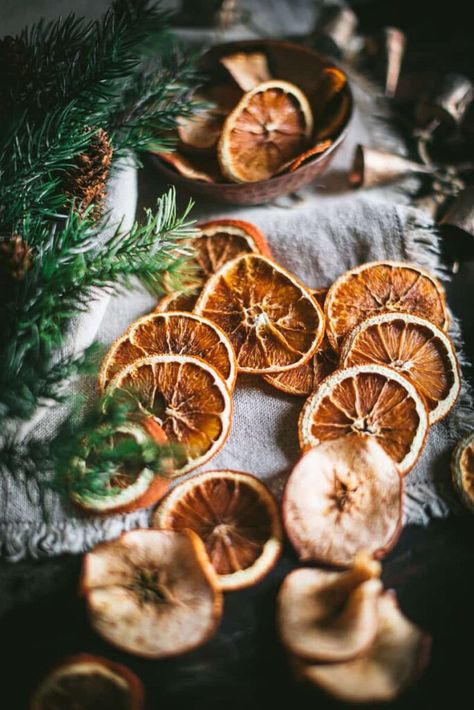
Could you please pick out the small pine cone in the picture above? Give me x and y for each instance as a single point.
(86, 182)
(15, 259)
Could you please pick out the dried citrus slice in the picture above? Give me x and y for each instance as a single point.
(378, 287)
(152, 592)
(237, 518)
(304, 379)
(317, 149)
(188, 398)
(367, 401)
(272, 321)
(462, 470)
(131, 487)
(196, 167)
(184, 301)
(222, 240)
(395, 659)
(342, 497)
(269, 126)
(330, 616)
(248, 69)
(415, 347)
(202, 130)
(172, 332)
(84, 681)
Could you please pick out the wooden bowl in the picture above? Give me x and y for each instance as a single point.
(294, 63)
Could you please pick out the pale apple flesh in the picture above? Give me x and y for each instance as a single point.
(343, 496)
(330, 616)
(152, 592)
(398, 654)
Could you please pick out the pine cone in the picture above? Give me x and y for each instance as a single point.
(86, 182)
(15, 259)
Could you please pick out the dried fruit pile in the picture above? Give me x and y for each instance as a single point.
(378, 369)
(254, 126)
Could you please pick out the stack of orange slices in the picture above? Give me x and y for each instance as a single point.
(370, 353)
(254, 125)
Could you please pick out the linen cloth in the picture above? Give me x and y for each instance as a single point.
(317, 234)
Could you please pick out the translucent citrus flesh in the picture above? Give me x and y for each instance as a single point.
(270, 130)
(230, 517)
(304, 379)
(122, 353)
(271, 321)
(412, 349)
(185, 399)
(380, 288)
(368, 404)
(186, 335)
(84, 687)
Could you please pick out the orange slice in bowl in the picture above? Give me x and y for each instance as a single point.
(202, 130)
(248, 69)
(272, 321)
(367, 401)
(304, 379)
(236, 517)
(152, 593)
(269, 126)
(378, 287)
(171, 332)
(188, 398)
(86, 681)
(415, 347)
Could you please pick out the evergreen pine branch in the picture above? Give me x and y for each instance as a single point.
(68, 263)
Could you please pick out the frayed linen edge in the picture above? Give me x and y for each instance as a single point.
(422, 243)
(21, 539)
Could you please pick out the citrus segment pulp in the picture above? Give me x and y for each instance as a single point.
(415, 347)
(236, 517)
(188, 398)
(378, 287)
(367, 401)
(269, 126)
(272, 321)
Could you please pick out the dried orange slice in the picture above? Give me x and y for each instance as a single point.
(378, 287)
(237, 518)
(415, 347)
(317, 149)
(222, 240)
(248, 69)
(304, 379)
(184, 301)
(188, 398)
(172, 332)
(131, 487)
(269, 126)
(85, 681)
(462, 470)
(272, 321)
(152, 592)
(367, 401)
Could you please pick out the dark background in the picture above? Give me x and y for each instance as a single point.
(432, 568)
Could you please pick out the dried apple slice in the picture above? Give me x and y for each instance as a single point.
(152, 593)
(84, 681)
(248, 69)
(330, 616)
(343, 496)
(396, 658)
